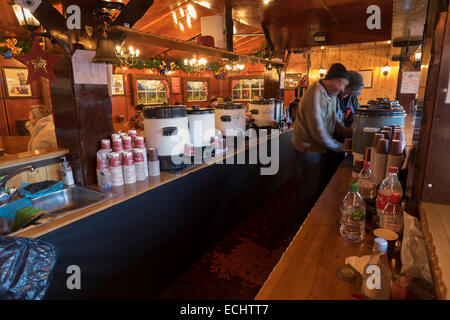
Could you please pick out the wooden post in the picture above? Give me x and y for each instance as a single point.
(229, 25)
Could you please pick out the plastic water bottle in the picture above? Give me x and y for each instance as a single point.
(390, 185)
(366, 188)
(353, 215)
(392, 216)
(377, 276)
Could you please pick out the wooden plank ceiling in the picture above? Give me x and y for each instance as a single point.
(291, 23)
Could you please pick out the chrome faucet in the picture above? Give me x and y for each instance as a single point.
(4, 195)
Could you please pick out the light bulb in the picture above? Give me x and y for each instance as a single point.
(228, 67)
(181, 26)
(174, 15)
(188, 20)
(186, 61)
(191, 10)
(385, 70)
(181, 12)
(138, 52)
(202, 61)
(118, 49)
(131, 50)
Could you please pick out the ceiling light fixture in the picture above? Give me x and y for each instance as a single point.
(194, 64)
(128, 56)
(184, 17)
(27, 20)
(319, 37)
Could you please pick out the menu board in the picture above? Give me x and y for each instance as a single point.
(410, 82)
(175, 84)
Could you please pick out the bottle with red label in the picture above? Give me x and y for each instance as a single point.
(390, 185)
(392, 216)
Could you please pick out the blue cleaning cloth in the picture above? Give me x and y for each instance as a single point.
(9, 210)
(26, 194)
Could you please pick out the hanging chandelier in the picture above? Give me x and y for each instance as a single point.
(234, 66)
(194, 64)
(128, 56)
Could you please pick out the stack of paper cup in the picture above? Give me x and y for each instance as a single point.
(126, 141)
(379, 169)
(140, 144)
(115, 167)
(132, 133)
(115, 135)
(139, 164)
(106, 144)
(153, 162)
(117, 145)
(395, 157)
(129, 170)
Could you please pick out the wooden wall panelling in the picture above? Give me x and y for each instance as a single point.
(50, 172)
(13, 109)
(367, 56)
(38, 175)
(54, 172)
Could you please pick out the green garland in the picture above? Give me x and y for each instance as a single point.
(26, 46)
(160, 64)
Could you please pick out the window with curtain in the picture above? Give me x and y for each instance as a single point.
(246, 89)
(151, 91)
(197, 91)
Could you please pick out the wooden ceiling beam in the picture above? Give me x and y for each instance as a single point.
(160, 41)
(330, 12)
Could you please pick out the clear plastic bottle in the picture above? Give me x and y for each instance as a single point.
(377, 276)
(390, 185)
(392, 216)
(353, 215)
(367, 190)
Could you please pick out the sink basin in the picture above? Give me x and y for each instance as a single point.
(68, 200)
(64, 202)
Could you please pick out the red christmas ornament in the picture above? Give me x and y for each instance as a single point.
(39, 63)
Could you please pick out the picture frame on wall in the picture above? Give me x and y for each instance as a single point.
(367, 77)
(291, 80)
(117, 85)
(15, 82)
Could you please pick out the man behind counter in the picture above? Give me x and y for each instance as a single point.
(314, 126)
(137, 121)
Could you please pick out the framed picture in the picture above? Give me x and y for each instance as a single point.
(117, 85)
(291, 80)
(367, 77)
(196, 89)
(150, 89)
(15, 82)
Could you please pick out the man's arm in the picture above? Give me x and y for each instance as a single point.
(316, 127)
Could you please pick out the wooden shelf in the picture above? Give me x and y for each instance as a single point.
(164, 42)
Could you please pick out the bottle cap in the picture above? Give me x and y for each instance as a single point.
(380, 245)
(393, 169)
(366, 164)
(395, 198)
(353, 187)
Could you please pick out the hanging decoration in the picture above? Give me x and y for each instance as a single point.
(11, 46)
(39, 63)
(166, 68)
(220, 74)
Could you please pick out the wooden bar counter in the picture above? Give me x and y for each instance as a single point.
(307, 269)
